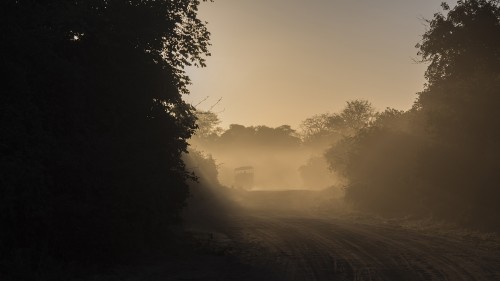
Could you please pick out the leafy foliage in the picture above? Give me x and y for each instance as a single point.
(239, 136)
(462, 44)
(208, 203)
(94, 125)
(441, 157)
(460, 107)
(323, 130)
(380, 164)
(208, 125)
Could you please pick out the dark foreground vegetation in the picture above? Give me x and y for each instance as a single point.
(93, 127)
(441, 158)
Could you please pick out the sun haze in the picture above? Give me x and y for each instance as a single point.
(281, 61)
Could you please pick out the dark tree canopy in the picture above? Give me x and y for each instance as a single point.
(208, 125)
(93, 124)
(322, 130)
(379, 163)
(441, 158)
(463, 49)
(464, 43)
(460, 109)
(239, 136)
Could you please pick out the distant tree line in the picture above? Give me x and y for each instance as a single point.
(210, 136)
(279, 150)
(318, 131)
(93, 127)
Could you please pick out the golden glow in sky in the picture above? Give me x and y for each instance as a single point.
(278, 62)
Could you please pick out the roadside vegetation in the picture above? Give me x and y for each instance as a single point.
(92, 130)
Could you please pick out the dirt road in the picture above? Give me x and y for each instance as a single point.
(307, 247)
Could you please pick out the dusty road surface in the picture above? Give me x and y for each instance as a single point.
(310, 247)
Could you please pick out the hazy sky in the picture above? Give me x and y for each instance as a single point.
(278, 62)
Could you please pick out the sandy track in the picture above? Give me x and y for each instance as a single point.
(312, 248)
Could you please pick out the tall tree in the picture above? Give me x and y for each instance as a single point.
(463, 52)
(208, 125)
(463, 43)
(379, 163)
(460, 106)
(93, 123)
(323, 130)
(357, 115)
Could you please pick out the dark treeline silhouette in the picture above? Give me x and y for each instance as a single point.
(441, 158)
(322, 130)
(210, 135)
(282, 157)
(272, 151)
(93, 127)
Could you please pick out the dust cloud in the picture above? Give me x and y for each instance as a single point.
(257, 168)
(288, 168)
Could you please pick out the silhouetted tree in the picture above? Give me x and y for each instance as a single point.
(93, 125)
(460, 106)
(239, 136)
(441, 157)
(321, 131)
(357, 115)
(208, 203)
(463, 43)
(208, 125)
(379, 164)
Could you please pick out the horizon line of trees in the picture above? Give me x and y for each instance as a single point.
(316, 131)
(281, 150)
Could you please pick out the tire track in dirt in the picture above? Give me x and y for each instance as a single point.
(312, 248)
